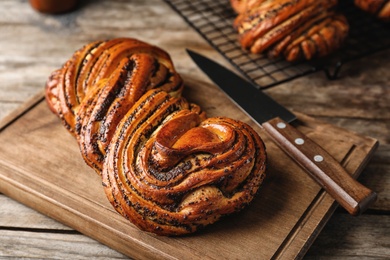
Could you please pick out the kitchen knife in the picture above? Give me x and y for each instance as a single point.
(276, 119)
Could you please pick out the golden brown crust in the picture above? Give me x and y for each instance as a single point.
(273, 26)
(240, 6)
(321, 39)
(100, 83)
(164, 165)
(177, 171)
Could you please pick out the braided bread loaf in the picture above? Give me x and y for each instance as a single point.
(296, 29)
(100, 83)
(379, 8)
(164, 165)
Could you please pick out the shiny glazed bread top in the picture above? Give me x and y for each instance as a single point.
(164, 165)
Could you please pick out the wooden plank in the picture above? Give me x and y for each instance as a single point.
(35, 245)
(343, 233)
(10, 213)
(360, 96)
(21, 109)
(348, 239)
(284, 219)
(377, 176)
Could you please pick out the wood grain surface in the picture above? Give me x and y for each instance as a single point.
(41, 166)
(33, 44)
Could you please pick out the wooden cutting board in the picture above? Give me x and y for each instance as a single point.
(41, 167)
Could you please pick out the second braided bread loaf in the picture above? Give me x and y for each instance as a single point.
(295, 29)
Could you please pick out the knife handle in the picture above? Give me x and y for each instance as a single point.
(322, 167)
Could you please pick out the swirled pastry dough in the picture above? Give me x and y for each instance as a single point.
(164, 165)
(96, 87)
(295, 29)
(171, 171)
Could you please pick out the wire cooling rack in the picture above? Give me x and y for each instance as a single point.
(213, 19)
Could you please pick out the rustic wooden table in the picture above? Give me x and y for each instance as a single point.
(33, 44)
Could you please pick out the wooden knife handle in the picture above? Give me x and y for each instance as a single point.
(348, 192)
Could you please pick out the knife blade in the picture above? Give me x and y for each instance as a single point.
(275, 119)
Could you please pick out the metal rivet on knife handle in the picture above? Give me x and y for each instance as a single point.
(322, 167)
(299, 141)
(281, 125)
